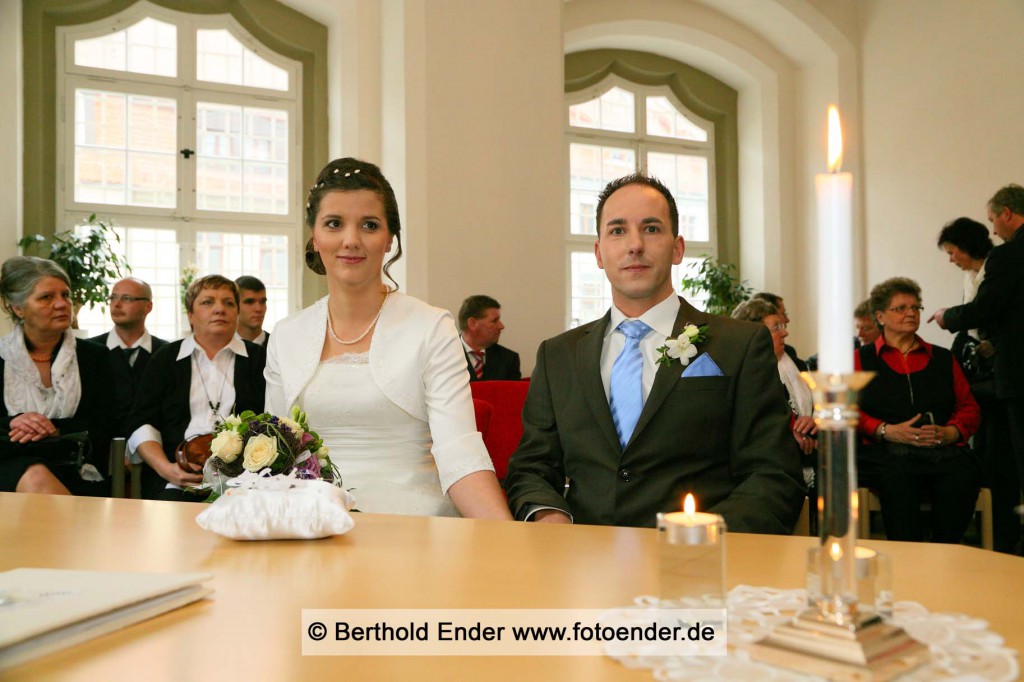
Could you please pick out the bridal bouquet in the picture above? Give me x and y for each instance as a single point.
(250, 445)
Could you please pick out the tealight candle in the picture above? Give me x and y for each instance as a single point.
(873, 577)
(691, 551)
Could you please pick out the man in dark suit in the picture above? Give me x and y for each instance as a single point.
(998, 308)
(129, 343)
(480, 326)
(252, 308)
(630, 438)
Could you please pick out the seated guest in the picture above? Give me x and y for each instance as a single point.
(612, 436)
(801, 402)
(252, 309)
(780, 305)
(917, 414)
(192, 384)
(480, 326)
(864, 323)
(54, 386)
(129, 343)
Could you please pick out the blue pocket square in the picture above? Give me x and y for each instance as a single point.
(703, 366)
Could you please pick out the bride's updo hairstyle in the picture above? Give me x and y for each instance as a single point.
(348, 175)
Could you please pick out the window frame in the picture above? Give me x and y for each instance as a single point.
(185, 219)
(641, 143)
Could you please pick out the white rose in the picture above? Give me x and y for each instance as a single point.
(293, 426)
(233, 422)
(691, 331)
(322, 452)
(260, 452)
(226, 445)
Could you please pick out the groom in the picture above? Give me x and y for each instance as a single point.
(611, 437)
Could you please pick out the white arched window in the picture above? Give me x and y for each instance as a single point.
(613, 129)
(184, 131)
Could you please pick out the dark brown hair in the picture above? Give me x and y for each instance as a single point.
(348, 175)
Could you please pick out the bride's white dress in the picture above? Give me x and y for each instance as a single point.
(382, 451)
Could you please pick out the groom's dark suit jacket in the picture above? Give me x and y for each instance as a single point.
(724, 438)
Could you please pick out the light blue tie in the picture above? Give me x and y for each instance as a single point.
(626, 390)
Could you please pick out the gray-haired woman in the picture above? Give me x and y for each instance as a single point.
(53, 385)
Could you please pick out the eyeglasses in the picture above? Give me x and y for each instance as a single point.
(902, 309)
(778, 327)
(114, 298)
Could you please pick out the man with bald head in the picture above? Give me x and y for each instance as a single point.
(130, 344)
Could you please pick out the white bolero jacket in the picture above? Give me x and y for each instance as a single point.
(417, 361)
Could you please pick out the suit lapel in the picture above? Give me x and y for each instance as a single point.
(243, 390)
(588, 369)
(668, 374)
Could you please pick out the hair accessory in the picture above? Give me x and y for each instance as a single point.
(356, 170)
(348, 175)
(330, 325)
(337, 170)
(307, 205)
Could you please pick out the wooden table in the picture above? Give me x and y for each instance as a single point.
(250, 629)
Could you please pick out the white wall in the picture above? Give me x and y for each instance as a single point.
(943, 102)
(473, 133)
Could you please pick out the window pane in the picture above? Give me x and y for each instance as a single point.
(687, 177)
(260, 255)
(591, 167)
(242, 160)
(125, 149)
(149, 47)
(614, 110)
(591, 292)
(153, 255)
(684, 270)
(221, 58)
(665, 120)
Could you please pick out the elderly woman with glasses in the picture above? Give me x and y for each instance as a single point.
(916, 415)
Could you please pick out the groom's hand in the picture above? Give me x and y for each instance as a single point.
(550, 516)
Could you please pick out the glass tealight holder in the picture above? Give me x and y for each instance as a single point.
(874, 581)
(691, 560)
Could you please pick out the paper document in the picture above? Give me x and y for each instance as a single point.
(43, 610)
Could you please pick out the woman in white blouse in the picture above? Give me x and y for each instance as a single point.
(381, 376)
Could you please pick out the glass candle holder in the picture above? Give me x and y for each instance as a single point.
(873, 576)
(691, 556)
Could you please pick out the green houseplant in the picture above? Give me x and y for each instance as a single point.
(88, 257)
(720, 282)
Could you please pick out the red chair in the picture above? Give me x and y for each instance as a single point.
(483, 411)
(506, 422)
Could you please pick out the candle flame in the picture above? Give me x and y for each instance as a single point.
(689, 506)
(835, 551)
(835, 140)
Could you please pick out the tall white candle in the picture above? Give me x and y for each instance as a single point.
(834, 192)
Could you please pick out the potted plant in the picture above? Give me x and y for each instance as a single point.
(88, 257)
(719, 282)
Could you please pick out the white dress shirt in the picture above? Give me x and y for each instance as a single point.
(145, 342)
(660, 318)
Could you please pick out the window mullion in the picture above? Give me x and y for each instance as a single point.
(187, 167)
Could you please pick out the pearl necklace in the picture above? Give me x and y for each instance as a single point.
(330, 325)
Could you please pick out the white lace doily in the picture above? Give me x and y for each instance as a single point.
(962, 647)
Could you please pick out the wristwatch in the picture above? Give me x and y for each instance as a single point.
(881, 431)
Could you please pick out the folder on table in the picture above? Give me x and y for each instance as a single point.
(43, 610)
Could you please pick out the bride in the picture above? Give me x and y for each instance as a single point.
(381, 376)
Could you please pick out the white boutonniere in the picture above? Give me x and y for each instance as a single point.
(684, 347)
